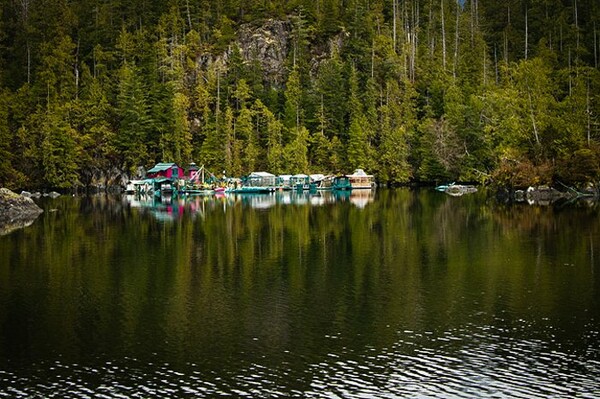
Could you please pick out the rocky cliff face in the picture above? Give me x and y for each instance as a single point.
(270, 44)
(267, 44)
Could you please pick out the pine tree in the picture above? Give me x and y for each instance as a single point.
(10, 177)
(397, 121)
(359, 146)
(331, 91)
(296, 152)
(293, 103)
(275, 161)
(134, 119)
(181, 143)
(97, 136)
(59, 150)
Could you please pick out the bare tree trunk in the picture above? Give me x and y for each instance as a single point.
(576, 27)
(560, 42)
(472, 22)
(24, 9)
(394, 16)
(535, 131)
(76, 70)
(372, 58)
(506, 35)
(414, 40)
(189, 16)
(218, 105)
(570, 79)
(526, 33)
(430, 39)
(588, 113)
(595, 47)
(456, 39)
(547, 21)
(322, 117)
(496, 62)
(443, 35)
(28, 63)
(484, 67)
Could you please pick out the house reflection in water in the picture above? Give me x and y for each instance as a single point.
(168, 208)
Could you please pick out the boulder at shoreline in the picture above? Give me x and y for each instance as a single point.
(16, 211)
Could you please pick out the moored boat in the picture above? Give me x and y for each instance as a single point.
(251, 190)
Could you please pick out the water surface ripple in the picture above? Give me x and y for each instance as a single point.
(401, 295)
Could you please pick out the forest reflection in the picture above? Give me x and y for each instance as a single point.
(219, 276)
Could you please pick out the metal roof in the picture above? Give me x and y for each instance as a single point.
(159, 167)
(359, 173)
(261, 174)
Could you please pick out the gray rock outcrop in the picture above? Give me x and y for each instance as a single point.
(16, 211)
(268, 45)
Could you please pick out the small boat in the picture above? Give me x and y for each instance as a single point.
(251, 190)
(203, 191)
(444, 187)
(456, 190)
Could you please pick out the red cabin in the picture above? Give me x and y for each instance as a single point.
(167, 170)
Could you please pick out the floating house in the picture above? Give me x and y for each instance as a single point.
(192, 171)
(165, 176)
(166, 170)
(256, 183)
(357, 180)
(341, 183)
(300, 181)
(322, 182)
(360, 180)
(283, 182)
(261, 179)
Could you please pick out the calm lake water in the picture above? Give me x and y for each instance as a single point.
(398, 294)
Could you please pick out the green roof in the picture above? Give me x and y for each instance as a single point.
(159, 167)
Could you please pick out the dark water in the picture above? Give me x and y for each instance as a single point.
(400, 295)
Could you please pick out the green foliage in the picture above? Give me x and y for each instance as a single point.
(275, 161)
(293, 101)
(397, 120)
(330, 89)
(134, 118)
(8, 177)
(296, 152)
(519, 173)
(60, 150)
(581, 167)
(96, 133)
(359, 143)
(441, 92)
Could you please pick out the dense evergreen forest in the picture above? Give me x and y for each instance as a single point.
(409, 90)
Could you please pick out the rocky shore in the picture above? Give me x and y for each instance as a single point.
(16, 211)
(545, 195)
